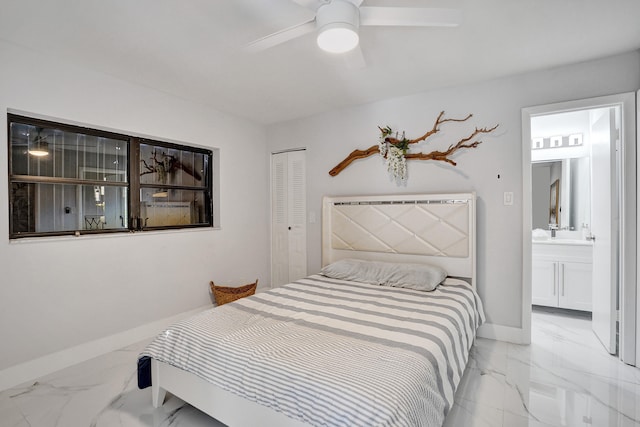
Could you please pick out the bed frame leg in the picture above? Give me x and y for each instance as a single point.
(157, 393)
(157, 396)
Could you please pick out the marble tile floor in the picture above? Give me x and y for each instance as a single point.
(565, 378)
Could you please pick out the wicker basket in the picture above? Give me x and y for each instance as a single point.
(224, 294)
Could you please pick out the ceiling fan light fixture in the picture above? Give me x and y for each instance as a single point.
(337, 23)
(40, 147)
(338, 38)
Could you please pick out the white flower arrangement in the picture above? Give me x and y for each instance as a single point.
(394, 155)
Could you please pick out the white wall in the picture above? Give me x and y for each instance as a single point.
(330, 137)
(61, 292)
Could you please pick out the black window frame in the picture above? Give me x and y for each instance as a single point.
(133, 185)
(137, 186)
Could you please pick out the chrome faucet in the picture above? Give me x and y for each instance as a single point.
(553, 228)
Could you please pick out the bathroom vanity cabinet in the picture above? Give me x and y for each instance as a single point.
(562, 274)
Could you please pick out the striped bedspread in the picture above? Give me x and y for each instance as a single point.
(334, 353)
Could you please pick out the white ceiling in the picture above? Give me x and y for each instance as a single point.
(193, 48)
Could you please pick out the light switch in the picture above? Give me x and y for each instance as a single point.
(508, 198)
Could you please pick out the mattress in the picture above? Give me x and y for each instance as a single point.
(334, 353)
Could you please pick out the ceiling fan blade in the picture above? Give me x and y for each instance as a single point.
(281, 36)
(311, 4)
(354, 59)
(410, 16)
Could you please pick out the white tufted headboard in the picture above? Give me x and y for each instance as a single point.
(436, 229)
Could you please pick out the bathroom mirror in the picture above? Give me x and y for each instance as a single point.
(561, 191)
(561, 170)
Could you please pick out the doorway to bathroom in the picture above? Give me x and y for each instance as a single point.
(579, 163)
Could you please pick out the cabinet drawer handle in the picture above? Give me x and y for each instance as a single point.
(555, 278)
(562, 279)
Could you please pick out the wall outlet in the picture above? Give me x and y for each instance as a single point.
(508, 198)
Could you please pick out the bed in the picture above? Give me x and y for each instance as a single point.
(337, 348)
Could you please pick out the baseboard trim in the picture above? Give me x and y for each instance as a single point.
(53, 362)
(502, 333)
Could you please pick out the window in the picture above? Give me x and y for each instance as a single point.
(173, 185)
(66, 179)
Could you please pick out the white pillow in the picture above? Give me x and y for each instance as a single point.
(421, 277)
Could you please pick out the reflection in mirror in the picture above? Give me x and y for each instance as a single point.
(567, 203)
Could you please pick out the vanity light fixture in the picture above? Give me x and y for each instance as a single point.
(575, 139)
(555, 141)
(338, 23)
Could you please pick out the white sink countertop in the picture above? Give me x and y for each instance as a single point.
(557, 241)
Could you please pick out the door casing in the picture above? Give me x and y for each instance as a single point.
(628, 228)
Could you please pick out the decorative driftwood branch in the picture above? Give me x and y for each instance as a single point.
(355, 155)
(444, 155)
(404, 143)
(433, 130)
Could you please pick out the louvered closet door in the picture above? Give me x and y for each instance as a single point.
(288, 213)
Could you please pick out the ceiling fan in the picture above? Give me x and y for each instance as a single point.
(337, 23)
